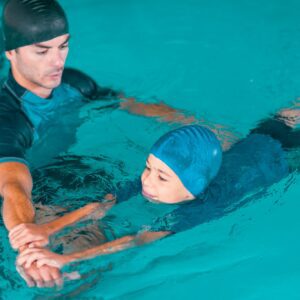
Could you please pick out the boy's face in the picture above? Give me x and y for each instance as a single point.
(39, 67)
(161, 184)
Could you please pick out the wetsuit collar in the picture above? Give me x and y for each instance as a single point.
(12, 83)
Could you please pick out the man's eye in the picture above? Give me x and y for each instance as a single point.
(162, 179)
(64, 46)
(41, 52)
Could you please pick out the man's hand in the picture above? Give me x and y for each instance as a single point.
(290, 116)
(32, 234)
(41, 257)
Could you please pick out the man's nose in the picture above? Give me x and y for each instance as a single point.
(58, 59)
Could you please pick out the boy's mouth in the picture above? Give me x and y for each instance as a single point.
(147, 195)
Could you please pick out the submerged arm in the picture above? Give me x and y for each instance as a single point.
(161, 110)
(38, 235)
(120, 244)
(92, 91)
(166, 113)
(46, 257)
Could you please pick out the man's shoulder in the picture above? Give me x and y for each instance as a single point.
(15, 132)
(11, 115)
(67, 93)
(8, 104)
(80, 81)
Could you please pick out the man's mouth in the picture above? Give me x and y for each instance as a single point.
(56, 74)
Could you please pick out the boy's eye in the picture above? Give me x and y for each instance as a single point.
(162, 179)
(147, 167)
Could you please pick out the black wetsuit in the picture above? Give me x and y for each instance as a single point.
(23, 114)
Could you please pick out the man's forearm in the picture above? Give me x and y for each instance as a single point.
(17, 207)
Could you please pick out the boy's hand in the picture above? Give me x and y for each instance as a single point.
(41, 277)
(99, 209)
(32, 234)
(45, 276)
(42, 257)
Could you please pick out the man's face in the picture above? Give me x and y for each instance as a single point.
(161, 184)
(39, 67)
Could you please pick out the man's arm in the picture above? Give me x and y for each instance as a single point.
(17, 208)
(283, 126)
(159, 110)
(290, 115)
(86, 85)
(15, 189)
(165, 113)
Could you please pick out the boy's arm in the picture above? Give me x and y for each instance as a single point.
(117, 245)
(38, 234)
(46, 257)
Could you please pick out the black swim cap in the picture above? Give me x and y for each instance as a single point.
(27, 22)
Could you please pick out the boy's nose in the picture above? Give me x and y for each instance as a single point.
(147, 180)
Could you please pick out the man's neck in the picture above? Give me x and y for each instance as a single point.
(30, 86)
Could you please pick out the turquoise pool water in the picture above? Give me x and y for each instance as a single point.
(230, 63)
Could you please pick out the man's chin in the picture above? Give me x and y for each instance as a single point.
(53, 84)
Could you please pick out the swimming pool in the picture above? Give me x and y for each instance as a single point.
(230, 63)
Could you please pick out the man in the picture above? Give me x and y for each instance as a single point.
(36, 41)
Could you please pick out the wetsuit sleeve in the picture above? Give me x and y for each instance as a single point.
(13, 140)
(86, 85)
(127, 189)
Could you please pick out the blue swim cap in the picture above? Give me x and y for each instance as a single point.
(193, 152)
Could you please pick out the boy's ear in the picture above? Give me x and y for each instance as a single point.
(189, 196)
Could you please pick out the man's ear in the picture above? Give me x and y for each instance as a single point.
(9, 54)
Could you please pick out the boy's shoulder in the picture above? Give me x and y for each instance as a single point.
(251, 165)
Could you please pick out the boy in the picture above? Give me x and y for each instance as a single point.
(184, 166)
